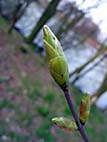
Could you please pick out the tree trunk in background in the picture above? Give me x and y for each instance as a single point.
(64, 20)
(79, 69)
(47, 14)
(99, 91)
(69, 25)
(18, 13)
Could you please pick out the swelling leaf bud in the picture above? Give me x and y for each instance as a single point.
(55, 58)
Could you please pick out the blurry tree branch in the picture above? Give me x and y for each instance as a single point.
(100, 90)
(69, 24)
(99, 2)
(47, 14)
(99, 52)
(18, 13)
(88, 70)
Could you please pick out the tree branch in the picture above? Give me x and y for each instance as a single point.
(71, 106)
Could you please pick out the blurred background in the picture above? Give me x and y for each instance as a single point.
(29, 97)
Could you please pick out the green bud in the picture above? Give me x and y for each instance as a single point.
(84, 108)
(65, 123)
(55, 57)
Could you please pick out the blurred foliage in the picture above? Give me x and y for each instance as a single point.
(44, 132)
(49, 97)
(43, 110)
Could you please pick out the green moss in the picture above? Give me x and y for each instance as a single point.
(25, 118)
(16, 137)
(34, 93)
(33, 88)
(43, 110)
(49, 96)
(16, 91)
(8, 104)
(44, 132)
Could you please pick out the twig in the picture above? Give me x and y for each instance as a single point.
(71, 106)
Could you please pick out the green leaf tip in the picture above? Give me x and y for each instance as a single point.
(55, 57)
(65, 123)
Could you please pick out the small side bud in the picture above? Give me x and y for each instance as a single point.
(65, 123)
(84, 108)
